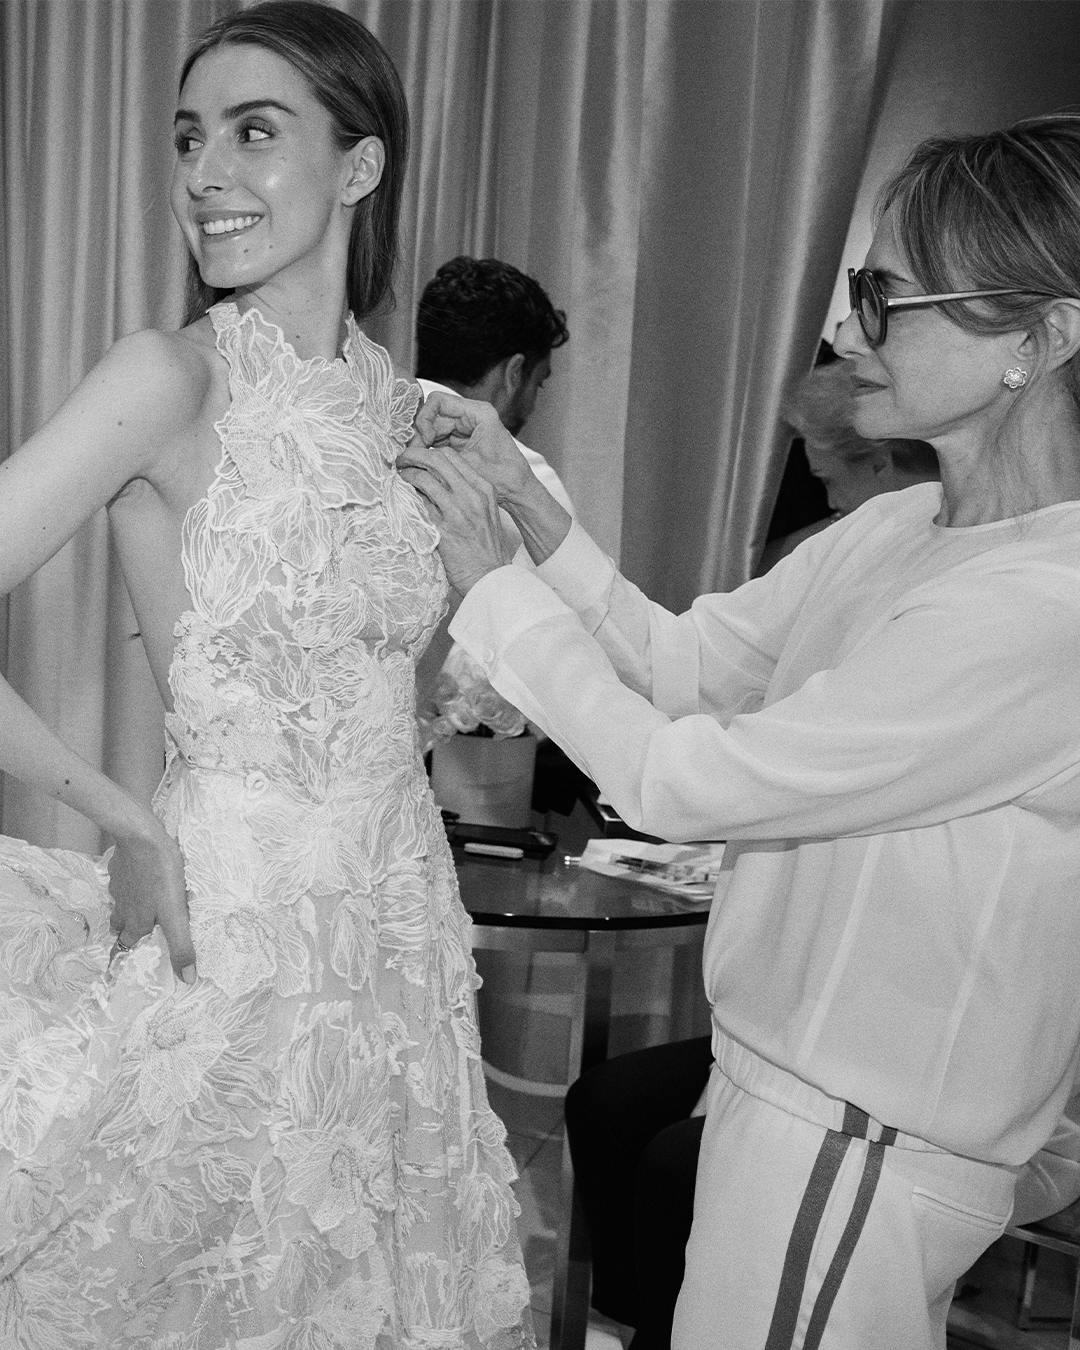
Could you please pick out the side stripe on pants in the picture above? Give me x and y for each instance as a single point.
(823, 1176)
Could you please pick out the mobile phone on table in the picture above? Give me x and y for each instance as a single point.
(497, 841)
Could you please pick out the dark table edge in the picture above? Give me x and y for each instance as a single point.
(490, 918)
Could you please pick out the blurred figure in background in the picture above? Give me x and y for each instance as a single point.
(819, 408)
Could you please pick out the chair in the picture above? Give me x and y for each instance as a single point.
(1060, 1233)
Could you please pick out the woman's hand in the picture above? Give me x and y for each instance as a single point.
(462, 506)
(474, 432)
(146, 881)
(481, 446)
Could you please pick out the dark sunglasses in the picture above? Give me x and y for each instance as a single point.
(872, 305)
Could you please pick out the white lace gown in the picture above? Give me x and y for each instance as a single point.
(296, 1152)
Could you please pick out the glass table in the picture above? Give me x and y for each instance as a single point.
(530, 906)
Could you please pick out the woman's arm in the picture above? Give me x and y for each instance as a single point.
(542, 522)
(114, 428)
(961, 702)
(474, 432)
(717, 657)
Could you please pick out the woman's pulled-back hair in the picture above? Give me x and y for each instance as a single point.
(351, 75)
(994, 211)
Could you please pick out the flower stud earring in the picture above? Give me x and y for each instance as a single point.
(1015, 378)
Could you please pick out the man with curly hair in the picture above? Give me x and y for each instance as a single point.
(486, 330)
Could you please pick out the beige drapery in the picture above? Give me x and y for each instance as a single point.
(749, 194)
(677, 173)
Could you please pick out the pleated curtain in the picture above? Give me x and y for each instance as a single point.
(678, 174)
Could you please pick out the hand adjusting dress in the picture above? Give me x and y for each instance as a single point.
(296, 1152)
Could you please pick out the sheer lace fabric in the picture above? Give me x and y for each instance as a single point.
(295, 1153)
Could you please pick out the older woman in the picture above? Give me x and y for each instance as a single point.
(887, 729)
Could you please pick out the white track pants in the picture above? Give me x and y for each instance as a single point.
(815, 1228)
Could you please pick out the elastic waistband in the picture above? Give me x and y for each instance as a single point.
(782, 1089)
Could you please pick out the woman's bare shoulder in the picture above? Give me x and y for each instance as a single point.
(133, 416)
(170, 374)
(136, 415)
(149, 393)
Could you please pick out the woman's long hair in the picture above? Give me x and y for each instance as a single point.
(351, 75)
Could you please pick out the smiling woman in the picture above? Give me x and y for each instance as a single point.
(358, 90)
(258, 1117)
(260, 182)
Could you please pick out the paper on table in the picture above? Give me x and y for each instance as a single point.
(690, 871)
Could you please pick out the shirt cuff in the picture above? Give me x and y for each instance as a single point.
(498, 609)
(579, 571)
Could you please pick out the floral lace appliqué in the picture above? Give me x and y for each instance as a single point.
(296, 1152)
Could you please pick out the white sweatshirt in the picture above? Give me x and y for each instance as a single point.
(887, 725)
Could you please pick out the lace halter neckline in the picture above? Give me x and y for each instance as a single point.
(270, 334)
